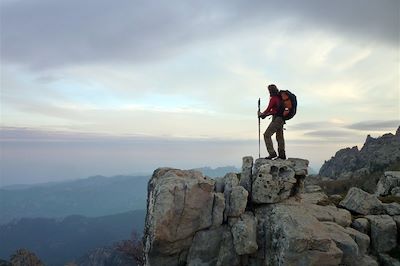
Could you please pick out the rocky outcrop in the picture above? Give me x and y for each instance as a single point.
(23, 257)
(262, 216)
(362, 202)
(376, 155)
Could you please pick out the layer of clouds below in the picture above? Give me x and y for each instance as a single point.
(47, 33)
(32, 156)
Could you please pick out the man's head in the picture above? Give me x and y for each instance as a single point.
(273, 90)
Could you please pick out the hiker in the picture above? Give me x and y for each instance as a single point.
(276, 125)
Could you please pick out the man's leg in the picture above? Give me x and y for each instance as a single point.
(279, 138)
(267, 138)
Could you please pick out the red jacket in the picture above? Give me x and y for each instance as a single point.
(273, 106)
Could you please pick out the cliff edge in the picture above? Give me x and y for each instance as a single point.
(261, 216)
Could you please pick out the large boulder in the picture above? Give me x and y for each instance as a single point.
(361, 225)
(289, 236)
(361, 239)
(392, 208)
(387, 182)
(227, 254)
(273, 182)
(383, 232)
(344, 242)
(329, 214)
(179, 204)
(244, 232)
(205, 247)
(361, 202)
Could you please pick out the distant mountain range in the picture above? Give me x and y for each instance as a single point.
(58, 241)
(376, 156)
(93, 196)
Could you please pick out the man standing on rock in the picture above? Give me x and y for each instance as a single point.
(276, 126)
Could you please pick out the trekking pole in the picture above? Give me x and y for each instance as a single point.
(258, 129)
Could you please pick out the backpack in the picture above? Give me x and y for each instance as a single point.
(288, 106)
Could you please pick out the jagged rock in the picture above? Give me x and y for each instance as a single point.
(386, 260)
(179, 204)
(288, 236)
(344, 242)
(361, 225)
(392, 208)
(376, 154)
(361, 239)
(227, 254)
(383, 232)
(218, 209)
(230, 181)
(273, 182)
(237, 201)
(205, 247)
(244, 234)
(245, 178)
(329, 214)
(24, 257)
(387, 182)
(362, 202)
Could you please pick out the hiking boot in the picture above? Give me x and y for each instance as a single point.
(282, 155)
(271, 156)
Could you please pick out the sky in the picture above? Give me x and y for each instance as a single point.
(124, 87)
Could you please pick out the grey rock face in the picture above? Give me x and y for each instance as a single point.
(205, 247)
(344, 242)
(179, 204)
(387, 183)
(227, 254)
(362, 202)
(291, 237)
(361, 239)
(218, 209)
(392, 208)
(245, 178)
(237, 201)
(361, 225)
(244, 234)
(395, 191)
(314, 198)
(230, 181)
(329, 214)
(383, 232)
(273, 182)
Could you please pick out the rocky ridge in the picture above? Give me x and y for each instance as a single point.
(263, 216)
(375, 155)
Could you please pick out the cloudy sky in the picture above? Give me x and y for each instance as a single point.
(121, 87)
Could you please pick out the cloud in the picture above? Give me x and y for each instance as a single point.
(375, 125)
(47, 33)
